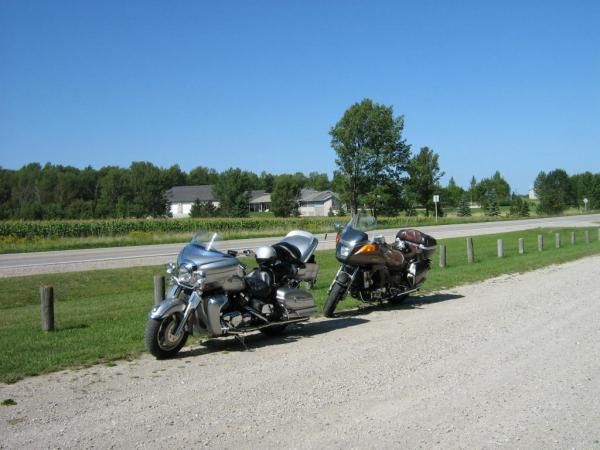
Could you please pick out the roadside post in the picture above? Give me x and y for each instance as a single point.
(436, 200)
(521, 246)
(500, 248)
(585, 202)
(442, 256)
(470, 251)
(47, 307)
(587, 236)
(540, 242)
(557, 239)
(572, 237)
(159, 289)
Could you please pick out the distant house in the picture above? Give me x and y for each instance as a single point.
(181, 198)
(310, 203)
(317, 203)
(260, 201)
(532, 194)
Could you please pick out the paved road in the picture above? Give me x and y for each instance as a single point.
(512, 362)
(22, 264)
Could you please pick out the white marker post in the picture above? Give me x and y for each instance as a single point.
(585, 202)
(436, 200)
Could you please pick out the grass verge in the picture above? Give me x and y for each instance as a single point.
(101, 315)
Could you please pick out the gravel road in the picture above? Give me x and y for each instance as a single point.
(512, 362)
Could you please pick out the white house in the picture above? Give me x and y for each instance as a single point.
(181, 198)
(310, 203)
(317, 203)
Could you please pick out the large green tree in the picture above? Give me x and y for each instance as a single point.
(370, 150)
(284, 199)
(554, 191)
(231, 189)
(424, 172)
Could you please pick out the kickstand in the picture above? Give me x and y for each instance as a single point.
(241, 340)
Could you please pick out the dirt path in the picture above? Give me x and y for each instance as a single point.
(512, 362)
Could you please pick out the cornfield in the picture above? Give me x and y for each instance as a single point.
(120, 227)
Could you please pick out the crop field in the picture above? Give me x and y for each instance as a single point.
(30, 236)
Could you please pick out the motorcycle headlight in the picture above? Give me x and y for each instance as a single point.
(184, 273)
(344, 251)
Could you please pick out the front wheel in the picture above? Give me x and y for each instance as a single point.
(336, 294)
(160, 336)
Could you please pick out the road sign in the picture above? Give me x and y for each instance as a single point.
(436, 198)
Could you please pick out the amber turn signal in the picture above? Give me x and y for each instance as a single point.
(367, 248)
(337, 239)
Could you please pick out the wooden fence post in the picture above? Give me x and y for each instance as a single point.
(587, 236)
(47, 307)
(470, 251)
(442, 256)
(521, 246)
(500, 248)
(557, 240)
(540, 242)
(159, 289)
(573, 237)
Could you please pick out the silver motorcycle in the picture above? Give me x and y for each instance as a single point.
(211, 290)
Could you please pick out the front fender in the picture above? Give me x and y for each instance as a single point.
(166, 307)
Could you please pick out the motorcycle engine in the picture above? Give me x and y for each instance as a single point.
(266, 309)
(236, 319)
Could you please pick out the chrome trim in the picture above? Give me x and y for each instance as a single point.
(213, 311)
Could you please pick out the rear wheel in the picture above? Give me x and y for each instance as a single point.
(160, 336)
(336, 294)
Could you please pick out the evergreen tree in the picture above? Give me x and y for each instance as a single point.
(492, 208)
(463, 209)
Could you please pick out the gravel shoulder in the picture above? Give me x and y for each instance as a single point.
(511, 362)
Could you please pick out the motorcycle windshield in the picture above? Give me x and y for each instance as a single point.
(356, 229)
(202, 249)
(362, 222)
(208, 240)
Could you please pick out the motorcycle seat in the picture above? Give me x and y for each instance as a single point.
(288, 253)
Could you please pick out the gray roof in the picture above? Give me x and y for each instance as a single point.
(189, 194)
(254, 195)
(310, 195)
(264, 198)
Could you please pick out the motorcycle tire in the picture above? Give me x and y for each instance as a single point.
(159, 338)
(275, 330)
(334, 297)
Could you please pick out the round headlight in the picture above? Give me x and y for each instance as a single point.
(184, 273)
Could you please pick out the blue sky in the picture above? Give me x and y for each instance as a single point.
(509, 86)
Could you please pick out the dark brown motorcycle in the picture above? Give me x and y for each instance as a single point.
(374, 271)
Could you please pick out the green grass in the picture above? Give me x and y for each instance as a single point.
(100, 315)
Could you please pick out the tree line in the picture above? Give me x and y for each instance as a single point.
(36, 192)
(376, 170)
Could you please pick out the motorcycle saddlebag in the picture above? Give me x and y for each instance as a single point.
(297, 302)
